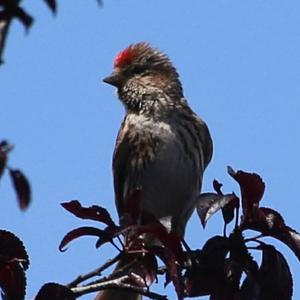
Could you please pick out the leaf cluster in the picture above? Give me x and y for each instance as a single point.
(146, 250)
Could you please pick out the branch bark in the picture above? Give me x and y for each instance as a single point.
(116, 284)
(96, 272)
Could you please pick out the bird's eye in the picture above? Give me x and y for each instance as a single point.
(138, 69)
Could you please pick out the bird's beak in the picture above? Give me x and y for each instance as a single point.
(113, 79)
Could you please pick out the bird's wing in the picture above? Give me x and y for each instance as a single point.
(120, 166)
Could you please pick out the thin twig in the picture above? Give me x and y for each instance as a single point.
(254, 238)
(224, 229)
(119, 272)
(121, 242)
(116, 284)
(96, 272)
(4, 28)
(186, 246)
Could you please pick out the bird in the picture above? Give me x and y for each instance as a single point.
(163, 146)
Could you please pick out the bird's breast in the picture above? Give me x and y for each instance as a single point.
(148, 140)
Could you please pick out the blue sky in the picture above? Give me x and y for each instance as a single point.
(240, 67)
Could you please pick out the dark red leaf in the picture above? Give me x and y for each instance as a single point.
(229, 286)
(272, 281)
(173, 268)
(292, 240)
(144, 272)
(252, 189)
(3, 160)
(5, 147)
(13, 262)
(206, 274)
(159, 232)
(12, 249)
(108, 234)
(250, 289)
(265, 220)
(52, 5)
(209, 203)
(226, 274)
(54, 291)
(240, 254)
(270, 223)
(216, 247)
(12, 281)
(79, 232)
(232, 276)
(199, 282)
(23, 16)
(22, 188)
(217, 187)
(274, 275)
(94, 212)
(229, 208)
(12, 9)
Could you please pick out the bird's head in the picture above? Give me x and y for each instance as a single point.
(141, 73)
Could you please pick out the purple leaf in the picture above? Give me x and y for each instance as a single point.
(240, 253)
(3, 160)
(5, 147)
(252, 189)
(23, 17)
(13, 263)
(217, 187)
(54, 291)
(229, 285)
(12, 248)
(52, 5)
(12, 281)
(22, 188)
(94, 212)
(206, 274)
(209, 203)
(250, 289)
(275, 276)
(169, 240)
(107, 235)
(272, 281)
(270, 223)
(229, 208)
(145, 270)
(173, 268)
(79, 232)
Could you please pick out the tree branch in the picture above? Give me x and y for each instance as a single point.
(116, 284)
(96, 272)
